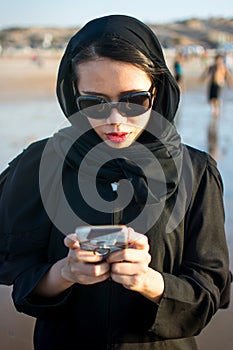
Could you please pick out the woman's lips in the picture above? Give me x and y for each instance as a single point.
(117, 137)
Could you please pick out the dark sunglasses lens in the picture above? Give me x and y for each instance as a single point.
(135, 105)
(130, 105)
(93, 107)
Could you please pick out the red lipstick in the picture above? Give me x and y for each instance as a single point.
(117, 137)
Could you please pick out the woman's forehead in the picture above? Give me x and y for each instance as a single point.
(108, 77)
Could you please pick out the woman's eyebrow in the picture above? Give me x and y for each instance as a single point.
(96, 93)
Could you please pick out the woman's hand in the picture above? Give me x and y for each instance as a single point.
(83, 266)
(130, 267)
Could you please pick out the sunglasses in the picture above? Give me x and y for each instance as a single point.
(130, 105)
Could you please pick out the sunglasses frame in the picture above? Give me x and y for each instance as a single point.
(111, 105)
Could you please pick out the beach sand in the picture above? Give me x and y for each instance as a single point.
(27, 77)
(24, 79)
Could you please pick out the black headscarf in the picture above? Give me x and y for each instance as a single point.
(153, 163)
(132, 31)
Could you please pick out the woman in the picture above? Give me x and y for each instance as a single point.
(120, 162)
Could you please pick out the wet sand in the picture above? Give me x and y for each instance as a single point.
(29, 111)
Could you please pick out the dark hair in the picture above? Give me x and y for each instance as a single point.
(117, 49)
(219, 56)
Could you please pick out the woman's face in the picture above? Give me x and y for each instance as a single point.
(111, 80)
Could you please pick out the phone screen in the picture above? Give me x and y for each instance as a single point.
(103, 239)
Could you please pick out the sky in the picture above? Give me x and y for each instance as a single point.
(72, 13)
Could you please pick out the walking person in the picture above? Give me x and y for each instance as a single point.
(217, 75)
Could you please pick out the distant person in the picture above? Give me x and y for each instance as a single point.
(36, 59)
(178, 69)
(204, 58)
(217, 75)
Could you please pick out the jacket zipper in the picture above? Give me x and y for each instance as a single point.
(114, 221)
(116, 215)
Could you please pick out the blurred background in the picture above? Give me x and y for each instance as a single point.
(33, 36)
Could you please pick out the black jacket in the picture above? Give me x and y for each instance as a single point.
(193, 259)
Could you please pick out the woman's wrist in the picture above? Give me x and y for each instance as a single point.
(153, 286)
(55, 281)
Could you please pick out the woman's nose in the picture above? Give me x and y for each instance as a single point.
(115, 117)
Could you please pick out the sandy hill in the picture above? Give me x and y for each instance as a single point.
(208, 33)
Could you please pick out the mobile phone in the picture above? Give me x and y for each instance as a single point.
(103, 239)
